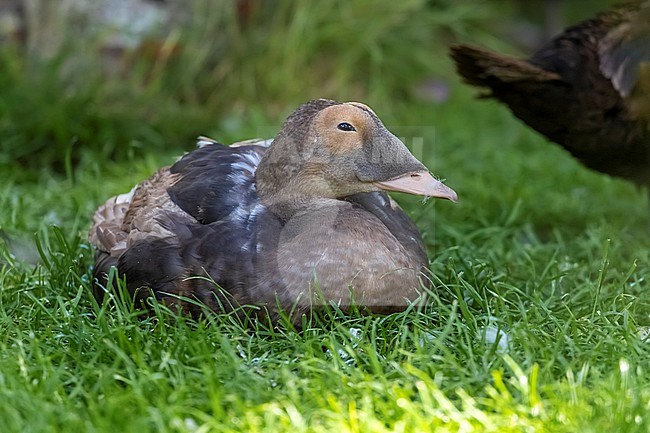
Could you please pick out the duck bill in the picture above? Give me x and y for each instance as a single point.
(419, 183)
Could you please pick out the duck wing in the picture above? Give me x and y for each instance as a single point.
(574, 89)
(625, 50)
(625, 57)
(198, 217)
(217, 182)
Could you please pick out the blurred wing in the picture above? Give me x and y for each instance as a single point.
(625, 51)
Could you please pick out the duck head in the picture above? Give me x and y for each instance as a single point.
(330, 150)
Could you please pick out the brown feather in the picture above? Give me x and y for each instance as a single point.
(281, 226)
(586, 90)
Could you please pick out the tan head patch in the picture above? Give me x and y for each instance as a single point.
(343, 127)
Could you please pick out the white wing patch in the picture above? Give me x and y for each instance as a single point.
(254, 142)
(258, 209)
(203, 141)
(240, 214)
(248, 162)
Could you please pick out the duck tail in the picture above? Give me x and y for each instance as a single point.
(493, 71)
(106, 232)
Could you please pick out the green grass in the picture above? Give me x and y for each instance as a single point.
(549, 256)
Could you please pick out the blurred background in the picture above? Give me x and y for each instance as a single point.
(95, 95)
(117, 78)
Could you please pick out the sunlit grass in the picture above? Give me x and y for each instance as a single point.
(535, 322)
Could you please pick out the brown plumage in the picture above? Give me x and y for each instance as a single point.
(290, 225)
(588, 89)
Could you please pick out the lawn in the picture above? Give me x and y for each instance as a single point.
(538, 320)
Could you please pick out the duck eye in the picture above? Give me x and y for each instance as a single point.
(344, 126)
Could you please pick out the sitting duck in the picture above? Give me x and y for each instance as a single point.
(287, 224)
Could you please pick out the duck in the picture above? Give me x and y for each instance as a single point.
(280, 226)
(588, 89)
